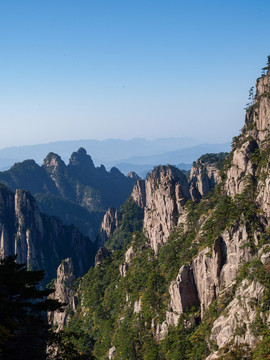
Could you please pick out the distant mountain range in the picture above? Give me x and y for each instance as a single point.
(79, 193)
(182, 158)
(138, 155)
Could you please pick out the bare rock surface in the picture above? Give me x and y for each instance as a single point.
(166, 191)
(128, 257)
(138, 193)
(183, 291)
(203, 178)
(239, 315)
(109, 223)
(40, 241)
(64, 293)
(215, 269)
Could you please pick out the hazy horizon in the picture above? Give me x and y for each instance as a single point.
(146, 69)
(116, 139)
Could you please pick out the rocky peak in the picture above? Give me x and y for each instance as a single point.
(254, 139)
(81, 159)
(53, 163)
(262, 101)
(115, 172)
(204, 174)
(64, 293)
(109, 223)
(167, 191)
(133, 175)
(138, 193)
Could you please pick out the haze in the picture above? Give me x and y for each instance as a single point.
(126, 69)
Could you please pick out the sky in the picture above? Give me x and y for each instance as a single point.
(98, 69)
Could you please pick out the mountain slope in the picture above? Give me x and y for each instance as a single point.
(195, 282)
(79, 193)
(38, 240)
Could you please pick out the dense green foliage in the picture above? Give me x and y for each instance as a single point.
(24, 330)
(211, 158)
(107, 315)
(131, 221)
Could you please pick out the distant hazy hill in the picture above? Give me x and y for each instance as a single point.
(79, 193)
(102, 152)
(182, 158)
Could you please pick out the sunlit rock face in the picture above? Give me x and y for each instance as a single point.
(203, 178)
(110, 222)
(64, 292)
(167, 191)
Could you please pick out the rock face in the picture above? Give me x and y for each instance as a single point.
(137, 306)
(238, 233)
(254, 136)
(64, 293)
(138, 193)
(242, 167)
(128, 257)
(102, 254)
(239, 315)
(166, 191)
(110, 222)
(263, 196)
(133, 175)
(112, 352)
(183, 291)
(39, 240)
(210, 271)
(203, 177)
(262, 116)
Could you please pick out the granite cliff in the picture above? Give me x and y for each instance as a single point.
(38, 240)
(193, 280)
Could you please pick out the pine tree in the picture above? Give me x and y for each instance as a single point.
(24, 329)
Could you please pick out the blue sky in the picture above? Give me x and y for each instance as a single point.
(122, 69)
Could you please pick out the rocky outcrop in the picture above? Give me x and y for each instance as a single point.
(203, 177)
(262, 115)
(183, 291)
(128, 257)
(263, 196)
(112, 352)
(138, 193)
(133, 175)
(235, 324)
(215, 269)
(212, 270)
(166, 191)
(40, 241)
(109, 223)
(241, 167)
(137, 306)
(64, 292)
(160, 331)
(101, 255)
